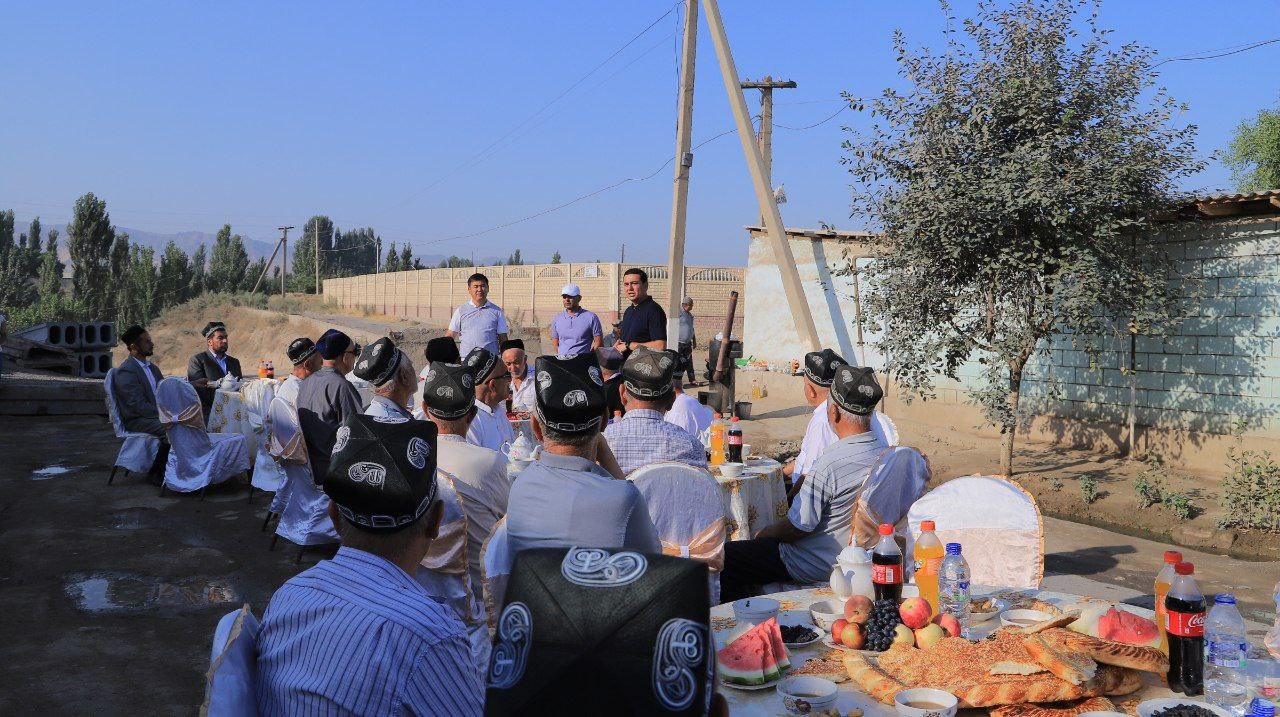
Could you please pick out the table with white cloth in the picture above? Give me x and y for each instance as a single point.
(231, 414)
(753, 500)
(794, 610)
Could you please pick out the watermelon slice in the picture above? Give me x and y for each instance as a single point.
(771, 628)
(1123, 626)
(742, 661)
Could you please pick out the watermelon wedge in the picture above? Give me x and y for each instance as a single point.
(1123, 626)
(742, 661)
(771, 628)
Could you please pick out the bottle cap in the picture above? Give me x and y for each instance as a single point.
(886, 529)
(715, 415)
(953, 548)
(1172, 557)
(734, 419)
(1224, 599)
(1184, 568)
(927, 526)
(1261, 707)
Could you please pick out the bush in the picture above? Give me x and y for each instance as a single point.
(1149, 487)
(1251, 491)
(46, 310)
(1089, 489)
(1181, 504)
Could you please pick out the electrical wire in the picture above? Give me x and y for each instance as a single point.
(832, 116)
(1222, 52)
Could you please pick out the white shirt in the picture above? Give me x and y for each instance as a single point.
(490, 429)
(522, 398)
(690, 415)
(288, 389)
(816, 439)
(478, 326)
(146, 371)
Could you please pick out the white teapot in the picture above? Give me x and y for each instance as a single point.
(851, 575)
(522, 449)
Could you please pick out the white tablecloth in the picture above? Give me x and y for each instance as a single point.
(753, 500)
(231, 414)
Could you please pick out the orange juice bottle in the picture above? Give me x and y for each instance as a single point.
(928, 555)
(718, 440)
(1163, 580)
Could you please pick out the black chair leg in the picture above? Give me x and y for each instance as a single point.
(113, 474)
(266, 521)
(298, 558)
(202, 491)
(162, 489)
(274, 538)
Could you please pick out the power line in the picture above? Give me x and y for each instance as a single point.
(832, 116)
(1222, 52)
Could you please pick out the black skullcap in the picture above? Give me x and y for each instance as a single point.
(569, 396)
(300, 349)
(647, 373)
(511, 344)
(820, 366)
(481, 362)
(449, 390)
(856, 390)
(610, 358)
(586, 626)
(379, 362)
(382, 475)
(443, 348)
(211, 327)
(132, 334)
(332, 344)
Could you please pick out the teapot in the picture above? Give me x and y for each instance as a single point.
(851, 575)
(522, 449)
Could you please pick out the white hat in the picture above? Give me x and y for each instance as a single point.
(571, 290)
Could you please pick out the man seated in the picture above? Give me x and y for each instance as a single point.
(568, 497)
(610, 370)
(392, 376)
(804, 545)
(819, 368)
(642, 436)
(491, 428)
(517, 363)
(686, 412)
(209, 370)
(326, 398)
(306, 361)
(133, 387)
(443, 349)
(357, 634)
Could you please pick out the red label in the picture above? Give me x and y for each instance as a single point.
(892, 575)
(735, 440)
(1186, 624)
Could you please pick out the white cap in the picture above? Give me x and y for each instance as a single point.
(570, 290)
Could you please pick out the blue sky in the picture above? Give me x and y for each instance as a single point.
(186, 116)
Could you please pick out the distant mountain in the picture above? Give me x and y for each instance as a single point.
(187, 241)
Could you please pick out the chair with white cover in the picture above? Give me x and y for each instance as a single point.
(995, 520)
(139, 450)
(267, 474)
(896, 481)
(229, 683)
(445, 575)
(196, 459)
(497, 557)
(687, 510)
(304, 517)
(882, 427)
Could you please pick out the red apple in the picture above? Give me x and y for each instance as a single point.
(853, 636)
(928, 635)
(915, 612)
(948, 623)
(857, 609)
(837, 629)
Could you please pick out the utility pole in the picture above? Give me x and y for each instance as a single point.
(272, 260)
(623, 258)
(684, 161)
(284, 258)
(765, 137)
(316, 227)
(377, 255)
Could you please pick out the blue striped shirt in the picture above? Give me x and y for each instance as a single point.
(642, 438)
(357, 635)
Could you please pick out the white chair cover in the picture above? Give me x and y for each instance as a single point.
(138, 452)
(687, 510)
(497, 558)
(997, 523)
(882, 427)
(288, 389)
(229, 683)
(446, 576)
(304, 508)
(896, 481)
(196, 459)
(267, 474)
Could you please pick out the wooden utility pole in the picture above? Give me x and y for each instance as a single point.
(765, 137)
(782, 255)
(284, 262)
(684, 161)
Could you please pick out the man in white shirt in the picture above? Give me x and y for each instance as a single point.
(819, 369)
(490, 428)
(517, 363)
(686, 412)
(306, 361)
(479, 323)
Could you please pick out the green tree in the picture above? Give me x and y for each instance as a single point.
(555, 258)
(228, 263)
(406, 258)
(121, 264)
(304, 269)
(1254, 154)
(33, 236)
(6, 230)
(90, 239)
(173, 281)
(139, 300)
(454, 262)
(15, 285)
(198, 273)
(1010, 181)
(50, 282)
(270, 283)
(392, 262)
(515, 259)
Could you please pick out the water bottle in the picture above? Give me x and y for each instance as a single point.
(953, 587)
(1261, 707)
(1225, 647)
(1272, 639)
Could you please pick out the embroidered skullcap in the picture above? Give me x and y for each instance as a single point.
(300, 349)
(610, 358)
(647, 373)
(820, 366)
(379, 362)
(590, 626)
(443, 348)
(132, 334)
(569, 393)
(448, 390)
(332, 344)
(211, 327)
(511, 344)
(481, 362)
(856, 390)
(382, 475)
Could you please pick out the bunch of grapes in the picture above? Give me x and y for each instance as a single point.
(884, 618)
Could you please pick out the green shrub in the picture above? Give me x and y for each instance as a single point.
(1250, 494)
(1149, 487)
(1089, 489)
(1181, 505)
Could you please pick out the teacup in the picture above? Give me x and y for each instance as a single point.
(755, 610)
(731, 469)
(805, 695)
(925, 702)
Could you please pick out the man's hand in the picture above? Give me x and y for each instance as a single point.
(619, 346)
(200, 383)
(782, 531)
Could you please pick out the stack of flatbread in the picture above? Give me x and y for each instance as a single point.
(1044, 672)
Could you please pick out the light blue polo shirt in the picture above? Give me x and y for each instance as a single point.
(478, 326)
(575, 331)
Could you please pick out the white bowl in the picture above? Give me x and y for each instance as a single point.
(1150, 707)
(804, 695)
(1023, 618)
(731, 469)
(945, 700)
(755, 610)
(826, 612)
(1000, 606)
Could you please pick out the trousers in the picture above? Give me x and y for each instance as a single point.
(748, 563)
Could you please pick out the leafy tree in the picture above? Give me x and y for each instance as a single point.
(90, 239)
(1010, 182)
(173, 282)
(50, 282)
(555, 258)
(515, 259)
(406, 258)
(33, 236)
(120, 273)
(15, 285)
(1254, 154)
(417, 263)
(454, 262)
(139, 300)
(392, 262)
(228, 263)
(269, 283)
(304, 268)
(6, 230)
(198, 273)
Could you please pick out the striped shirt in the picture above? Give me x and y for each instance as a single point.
(356, 635)
(642, 438)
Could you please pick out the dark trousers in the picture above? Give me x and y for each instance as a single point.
(685, 349)
(748, 563)
(156, 474)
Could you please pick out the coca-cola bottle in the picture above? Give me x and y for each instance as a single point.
(1184, 613)
(886, 566)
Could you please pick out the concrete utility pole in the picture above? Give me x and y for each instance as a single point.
(684, 161)
(764, 193)
(272, 260)
(284, 258)
(316, 227)
(765, 137)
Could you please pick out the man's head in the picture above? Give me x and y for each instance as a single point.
(571, 295)
(338, 351)
(302, 354)
(382, 484)
(819, 370)
(389, 370)
(478, 288)
(448, 397)
(215, 335)
(635, 285)
(516, 361)
(854, 395)
(687, 304)
(568, 403)
(493, 381)
(137, 342)
(610, 360)
(646, 380)
(442, 348)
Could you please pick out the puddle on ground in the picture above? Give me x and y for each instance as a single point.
(53, 471)
(138, 519)
(129, 592)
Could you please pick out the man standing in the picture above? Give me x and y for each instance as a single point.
(644, 323)
(357, 634)
(611, 371)
(642, 436)
(208, 370)
(575, 330)
(326, 398)
(688, 339)
(566, 497)
(391, 374)
(517, 363)
(302, 354)
(491, 428)
(804, 545)
(133, 388)
(819, 369)
(479, 322)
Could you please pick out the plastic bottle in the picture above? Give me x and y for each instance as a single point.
(1272, 639)
(755, 388)
(271, 370)
(1163, 580)
(718, 431)
(953, 587)
(735, 440)
(1225, 645)
(886, 566)
(1261, 707)
(1184, 619)
(928, 554)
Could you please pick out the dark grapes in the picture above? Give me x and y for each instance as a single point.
(880, 625)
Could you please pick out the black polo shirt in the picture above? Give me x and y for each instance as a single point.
(644, 322)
